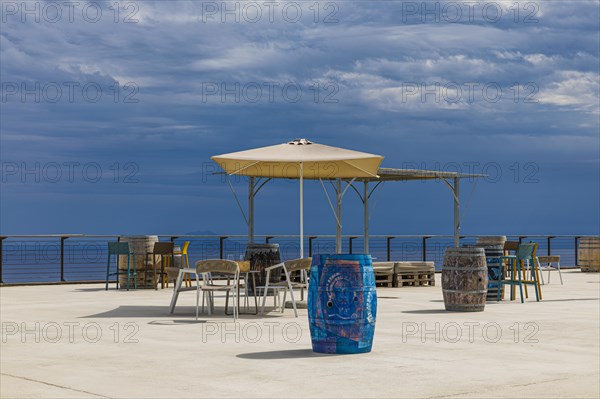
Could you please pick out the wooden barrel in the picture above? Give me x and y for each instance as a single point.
(139, 245)
(261, 256)
(589, 254)
(464, 279)
(491, 240)
(342, 303)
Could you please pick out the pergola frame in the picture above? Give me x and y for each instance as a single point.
(451, 180)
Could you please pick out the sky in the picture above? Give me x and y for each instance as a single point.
(110, 112)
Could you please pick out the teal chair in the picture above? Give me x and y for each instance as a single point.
(121, 248)
(515, 272)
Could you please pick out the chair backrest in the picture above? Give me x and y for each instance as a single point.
(163, 248)
(527, 250)
(118, 248)
(298, 264)
(185, 247)
(217, 266)
(511, 245)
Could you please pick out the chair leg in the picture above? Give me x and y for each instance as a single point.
(289, 283)
(198, 289)
(559, 274)
(203, 293)
(226, 302)
(234, 301)
(154, 277)
(107, 270)
(128, 271)
(162, 271)
(520, 279)
(524, 277)
(266, 289)
(538, 288)
(117, 272)
(542, 274)
(134, 273)
(176, 292)
(283, 302)
(513, 276)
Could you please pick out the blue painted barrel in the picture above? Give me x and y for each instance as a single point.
(342, 303)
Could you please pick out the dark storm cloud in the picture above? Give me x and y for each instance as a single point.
(178, 84)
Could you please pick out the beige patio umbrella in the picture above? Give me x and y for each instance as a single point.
(300, 159)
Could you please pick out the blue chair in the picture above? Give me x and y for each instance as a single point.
(121, 248)
(496, 272)
(515, 275)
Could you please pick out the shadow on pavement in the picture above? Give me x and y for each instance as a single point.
(283, 354)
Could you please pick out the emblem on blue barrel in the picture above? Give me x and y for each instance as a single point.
(342, 303)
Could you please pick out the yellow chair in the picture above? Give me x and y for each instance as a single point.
(185, 261)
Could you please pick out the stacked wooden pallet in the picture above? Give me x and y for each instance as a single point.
(414, 274)
(384, 273)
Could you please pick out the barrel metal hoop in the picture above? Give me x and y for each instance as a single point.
(465, 291)
(479, 269)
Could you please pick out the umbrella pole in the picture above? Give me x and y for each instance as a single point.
(338, 229)
(301, 210)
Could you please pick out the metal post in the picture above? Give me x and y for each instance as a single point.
(350, 243)
(301, 209)
(389, 248)
(456, 212)
(268, 239)
(338, 232)
(62, 258)
(221, 239)
(366, 217)
(310, 245)
(424, 255)
(1, 258)
(548, 249)
(251, 210)
(576, 252)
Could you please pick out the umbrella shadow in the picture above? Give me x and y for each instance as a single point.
(141, 311)
(127, 311)
(176, 322)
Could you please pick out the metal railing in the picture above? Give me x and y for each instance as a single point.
(82, 258)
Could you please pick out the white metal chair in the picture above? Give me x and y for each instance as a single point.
(214, 266)
(547, 265)
(290, 266)
(204, 269)
(185, 273)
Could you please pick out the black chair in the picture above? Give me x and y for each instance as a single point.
(162, 249)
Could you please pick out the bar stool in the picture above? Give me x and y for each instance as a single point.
(185, 261)
(121, 248)
(516, 272)
(161, 249)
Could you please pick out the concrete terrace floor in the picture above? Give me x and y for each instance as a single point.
(542, 350)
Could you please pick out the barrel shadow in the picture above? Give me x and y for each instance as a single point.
(283, 354)
(427, 311)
